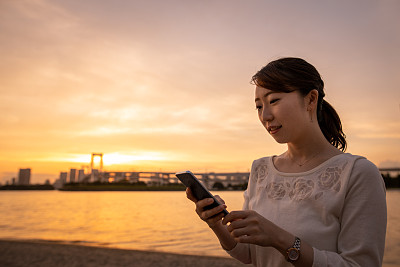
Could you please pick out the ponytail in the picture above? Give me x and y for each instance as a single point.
(331, 126)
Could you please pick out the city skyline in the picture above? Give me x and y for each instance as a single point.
(164, 85)
(85, 174)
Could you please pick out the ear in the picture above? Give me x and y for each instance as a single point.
(311, 100)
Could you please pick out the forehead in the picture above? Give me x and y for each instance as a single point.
(262, 92)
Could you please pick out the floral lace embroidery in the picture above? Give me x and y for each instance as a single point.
(262, 172)
(276, 190)
(303, 188)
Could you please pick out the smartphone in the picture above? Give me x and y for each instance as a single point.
(198, 189)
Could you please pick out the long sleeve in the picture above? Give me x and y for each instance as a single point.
(361, 240)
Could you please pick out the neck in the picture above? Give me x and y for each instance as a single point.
(313, 148)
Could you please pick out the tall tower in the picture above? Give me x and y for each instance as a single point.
(24, 176)
(100, 170)
(72, 175)
(81, 175)
(63, 177)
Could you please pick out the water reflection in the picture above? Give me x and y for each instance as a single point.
(161, 221)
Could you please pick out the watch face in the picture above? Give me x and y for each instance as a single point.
(293, 254)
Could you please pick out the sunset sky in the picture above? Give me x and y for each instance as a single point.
(165, 85)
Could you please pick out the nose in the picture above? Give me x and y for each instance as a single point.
(266, 115)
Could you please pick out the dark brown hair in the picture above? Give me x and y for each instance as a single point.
(290, 74)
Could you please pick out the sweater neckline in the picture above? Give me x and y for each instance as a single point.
(326, 162)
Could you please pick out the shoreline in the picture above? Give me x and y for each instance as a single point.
(20, 252)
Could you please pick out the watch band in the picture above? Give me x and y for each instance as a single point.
(293, 253)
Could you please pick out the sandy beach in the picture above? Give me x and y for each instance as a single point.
(21, 253)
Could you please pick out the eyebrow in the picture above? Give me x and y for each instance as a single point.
(267, 94)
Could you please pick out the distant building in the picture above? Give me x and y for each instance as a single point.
(81, 175)
(24, 177)
(63, 177)
(95, 177)
(72, 175)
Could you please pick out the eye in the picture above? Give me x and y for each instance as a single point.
(258, 107)
(274, 100)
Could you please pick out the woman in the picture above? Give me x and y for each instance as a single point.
(313, 205)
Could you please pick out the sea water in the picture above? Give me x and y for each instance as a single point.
(157, 221)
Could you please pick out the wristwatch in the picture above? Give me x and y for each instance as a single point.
(293, 253)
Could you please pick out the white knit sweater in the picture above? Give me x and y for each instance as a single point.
(339, 208)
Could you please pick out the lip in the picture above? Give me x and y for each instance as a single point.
(274, 129)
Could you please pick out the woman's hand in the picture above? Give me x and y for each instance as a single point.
(213, 216)
(248, 226)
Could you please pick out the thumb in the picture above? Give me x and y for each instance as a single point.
(219, 199)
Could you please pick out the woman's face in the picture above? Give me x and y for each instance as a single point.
(284, 115)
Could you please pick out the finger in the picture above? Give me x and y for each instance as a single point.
(211, 213)
(244, 231)
(245, 239)
(213, 220)
(234, 216)
(239, 232)
(237, 224)
(189, 195)
(219, 199)
(201, 204)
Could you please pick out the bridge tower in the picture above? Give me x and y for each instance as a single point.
(100, 170)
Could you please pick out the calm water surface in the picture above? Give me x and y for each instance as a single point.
(160, 221)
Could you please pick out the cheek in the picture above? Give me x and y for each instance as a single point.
(293, 112)
(286, 114)
(260, 117)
